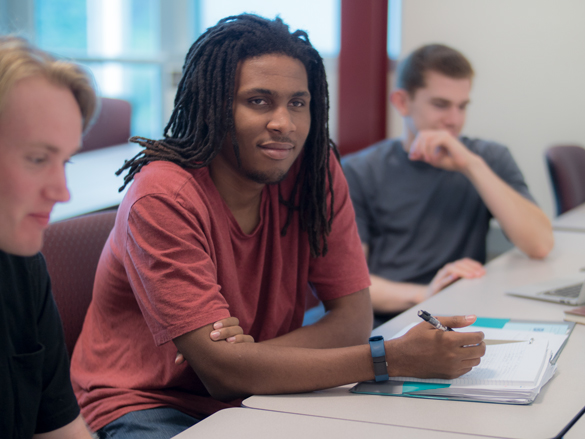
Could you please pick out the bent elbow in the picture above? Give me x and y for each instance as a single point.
(225, 391)
(542, 250)
(226, 395)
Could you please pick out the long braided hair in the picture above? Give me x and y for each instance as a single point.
(203, 117)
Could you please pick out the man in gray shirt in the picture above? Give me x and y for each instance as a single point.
(423, 202)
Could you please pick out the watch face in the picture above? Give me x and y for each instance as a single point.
(376, 338)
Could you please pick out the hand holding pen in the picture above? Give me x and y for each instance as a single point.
(433, 353)
(427, 317)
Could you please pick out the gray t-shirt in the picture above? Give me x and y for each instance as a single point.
(414, 217)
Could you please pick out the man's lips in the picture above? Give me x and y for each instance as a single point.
(277, 150)
(41, 217)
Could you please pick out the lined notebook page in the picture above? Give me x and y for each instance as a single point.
(511, 364)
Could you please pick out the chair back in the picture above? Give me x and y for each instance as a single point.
(72, 249)
(112, 126)
(566, 165)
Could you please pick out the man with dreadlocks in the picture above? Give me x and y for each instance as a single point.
(236, 212)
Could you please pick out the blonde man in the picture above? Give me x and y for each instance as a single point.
(45, 104)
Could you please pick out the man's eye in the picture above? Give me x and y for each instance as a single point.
(258, 101)
(440, 105)
(297, 103)
(37, 160)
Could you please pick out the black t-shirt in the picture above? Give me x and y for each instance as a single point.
(35, 389)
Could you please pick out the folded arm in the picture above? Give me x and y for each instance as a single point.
(348, 322)
(299, 361)
(234, 370)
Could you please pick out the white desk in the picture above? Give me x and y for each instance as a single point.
(92, 181)
(557, 403)
(244, 423)
(573, 220)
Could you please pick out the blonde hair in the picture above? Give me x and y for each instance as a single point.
(20, 60)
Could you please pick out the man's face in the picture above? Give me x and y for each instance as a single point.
(272, 118)
(40, 128)
(441, 105)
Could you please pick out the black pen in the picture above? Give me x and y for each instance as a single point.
(433, 321)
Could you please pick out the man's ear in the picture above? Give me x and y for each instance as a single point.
(401, 101)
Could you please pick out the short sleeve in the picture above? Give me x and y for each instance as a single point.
(343, 270)
(58, 406)
(170, 265)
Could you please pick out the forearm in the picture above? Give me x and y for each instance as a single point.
(348, 322)
(389, 296)
(525, 224)
(231, 371)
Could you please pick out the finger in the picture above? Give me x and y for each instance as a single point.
(444, 282)
(472, 262)
(224, 333)
(421, 147)
(471, 267)
(458, 321)
(414, 153)
(471, 363)
(240, 338)
(179, 358)
(467, 264)
(458, 373)
(224, 323)
(430, 148)
(473, 351)
(464, 272)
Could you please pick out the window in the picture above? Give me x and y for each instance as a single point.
(119, 41)
(319, 18)
(135, 48)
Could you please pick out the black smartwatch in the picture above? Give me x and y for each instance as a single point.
(379, 358)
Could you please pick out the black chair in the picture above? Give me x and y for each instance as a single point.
(72, 249)
(566, 166)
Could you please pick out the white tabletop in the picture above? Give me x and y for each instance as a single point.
(572, 220)
(92, 181)
(244, 423)
(558, 402)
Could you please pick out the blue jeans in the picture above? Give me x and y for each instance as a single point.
(157, 423)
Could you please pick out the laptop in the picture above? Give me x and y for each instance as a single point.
(566, 290)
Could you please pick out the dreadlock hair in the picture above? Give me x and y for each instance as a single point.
(203, 115)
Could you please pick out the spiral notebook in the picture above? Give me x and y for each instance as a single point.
(509, 373)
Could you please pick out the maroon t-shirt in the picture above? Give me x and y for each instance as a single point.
(176, 261)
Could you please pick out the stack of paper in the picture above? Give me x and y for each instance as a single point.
(511, 373)
(513, 370)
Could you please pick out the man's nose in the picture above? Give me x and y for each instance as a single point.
(455, 116)
(56, 189)
(281, 121)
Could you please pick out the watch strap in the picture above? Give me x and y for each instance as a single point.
(378, 351)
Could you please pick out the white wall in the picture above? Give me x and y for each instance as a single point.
(529, 58)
